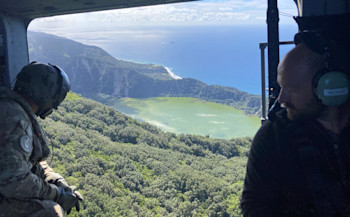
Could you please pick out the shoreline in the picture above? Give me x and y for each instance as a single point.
(176, 77)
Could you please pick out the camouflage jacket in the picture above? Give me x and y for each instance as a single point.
(22, 147)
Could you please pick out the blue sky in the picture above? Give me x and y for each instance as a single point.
(207, 12)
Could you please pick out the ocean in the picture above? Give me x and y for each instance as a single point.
(222, 55)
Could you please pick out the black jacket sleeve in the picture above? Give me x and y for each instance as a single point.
(261, 186)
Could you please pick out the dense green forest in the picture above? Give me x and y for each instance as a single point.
(127, 168)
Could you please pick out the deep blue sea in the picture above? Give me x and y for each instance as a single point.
(224, 55)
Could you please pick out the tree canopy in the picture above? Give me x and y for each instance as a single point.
(127, 168)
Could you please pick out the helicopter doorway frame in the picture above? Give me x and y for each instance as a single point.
(262, 47)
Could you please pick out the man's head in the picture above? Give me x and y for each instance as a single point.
(302, 92)
(45, 84)
(295, 76)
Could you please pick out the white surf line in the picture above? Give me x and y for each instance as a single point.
(172, 74)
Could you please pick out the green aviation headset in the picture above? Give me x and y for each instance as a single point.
(331, 86)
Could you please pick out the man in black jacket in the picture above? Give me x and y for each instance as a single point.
(299, 163)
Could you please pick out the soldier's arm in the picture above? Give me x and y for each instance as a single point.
(16, 145)
(51, 176)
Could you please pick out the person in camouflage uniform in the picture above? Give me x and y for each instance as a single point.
(28, 186)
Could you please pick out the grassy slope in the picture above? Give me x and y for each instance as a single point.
(190, 116)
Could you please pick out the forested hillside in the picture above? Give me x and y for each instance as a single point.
(127, 168)
(96, 74)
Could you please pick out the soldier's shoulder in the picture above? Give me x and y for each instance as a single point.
(8, 106)
(11, 113)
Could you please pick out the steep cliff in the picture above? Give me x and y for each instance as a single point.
(93, 72)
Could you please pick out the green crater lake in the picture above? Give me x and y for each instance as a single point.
(189, 116)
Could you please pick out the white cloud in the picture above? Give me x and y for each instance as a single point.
(225, 9)
(109, 24)
(201, 12)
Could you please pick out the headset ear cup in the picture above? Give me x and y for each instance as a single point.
(332, 87)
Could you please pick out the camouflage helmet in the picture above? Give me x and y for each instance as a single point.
(47, 85)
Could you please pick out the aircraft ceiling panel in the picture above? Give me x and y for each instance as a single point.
(30, 9)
